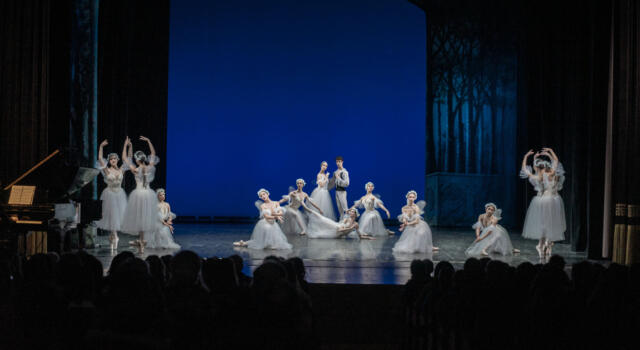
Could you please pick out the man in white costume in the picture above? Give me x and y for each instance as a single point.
(341, 181)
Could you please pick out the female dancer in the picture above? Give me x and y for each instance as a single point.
(320, 194)
(323, 227)
(142, 209)
(371, 222)
(162, 236)
(490, 237)
(114, 199)
(545, 220)
(267, 234)
(294, 221)
(416, 237)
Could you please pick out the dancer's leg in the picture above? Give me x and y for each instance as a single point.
(341, 201)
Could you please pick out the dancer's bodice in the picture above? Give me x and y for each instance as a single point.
(144, 176)
(268, 212)
(295, 200)
(113, 178)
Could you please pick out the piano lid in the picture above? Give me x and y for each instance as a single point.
(56, 177)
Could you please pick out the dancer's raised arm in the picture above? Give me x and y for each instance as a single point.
(525, 169)
(100, 153)
(152, 151)
(126, 154)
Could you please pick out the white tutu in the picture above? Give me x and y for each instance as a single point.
(162, 236)
(415, 238)
(545, 218)
(497, 242)
(370, 221)
(141, 214)
(322, 227)
(267, 235)
(321, 197)
(114, 204)
(293, 219)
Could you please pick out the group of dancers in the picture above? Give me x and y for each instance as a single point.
(545, 220)
(145, 213)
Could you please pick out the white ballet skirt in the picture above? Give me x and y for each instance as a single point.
(113, 197)
(294, 219)
(142, 208)
(370, 221)
(321, 197)
(545, 216)
(415, 238)
(320, 226)
(497, 242)
(162, 236)
(267, 234)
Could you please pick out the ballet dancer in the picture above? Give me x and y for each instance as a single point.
(370, 221)
(490, 237)
(294, 221)
(416, 233)
(340, 180)
(322, 227)
(267, 233)
(142, 208)
(545, 219)
(162, 236)
(320, 194)
(113, 197)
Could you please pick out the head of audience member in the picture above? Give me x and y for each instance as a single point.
(219, 275)
(185, 268)
(157, 269)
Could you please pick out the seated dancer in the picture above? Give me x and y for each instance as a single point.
(416, 233)
(267, 233)
(371, 222)
(323, 227)
(162, 237)
(490, 237)
(294, 221)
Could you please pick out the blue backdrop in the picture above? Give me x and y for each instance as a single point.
(260, 92)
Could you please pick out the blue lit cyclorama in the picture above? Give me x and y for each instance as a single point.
(260, 92)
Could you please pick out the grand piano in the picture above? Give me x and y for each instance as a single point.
(47, 199)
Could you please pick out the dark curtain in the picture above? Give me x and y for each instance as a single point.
(563, 77)
(625, 131)
(133, 58)
(34, 82)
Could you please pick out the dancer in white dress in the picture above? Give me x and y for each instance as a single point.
(491, 237)
(370, 221)
(320, 194)
(416, 236)
(267, 233)
(323, 227)
(162, 237)
(545, 220)
(113, 197)
(142, 208)
(294, 221)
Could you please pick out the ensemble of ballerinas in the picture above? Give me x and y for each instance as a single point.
(147, 215)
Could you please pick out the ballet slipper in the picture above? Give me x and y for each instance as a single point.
(484, 252)
(435, 249)
(516, 251)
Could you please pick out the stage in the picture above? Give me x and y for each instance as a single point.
(335, 260)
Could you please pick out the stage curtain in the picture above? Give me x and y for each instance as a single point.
(133, 59)
(625, 132)
(563, 105)
(24, 85)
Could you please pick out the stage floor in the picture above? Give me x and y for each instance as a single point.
(335, 260)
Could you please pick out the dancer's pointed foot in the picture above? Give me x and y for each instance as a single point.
(435, 249)
(516, 251)
(240, 243)
(391, 233)
(540, 250)
(484, 252)
(303, 233)
(547, 248)
(367, 237)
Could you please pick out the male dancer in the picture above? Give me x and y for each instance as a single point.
(341, 180)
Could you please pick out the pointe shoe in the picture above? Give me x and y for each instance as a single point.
(435, 249)
(516, 251)
(391, 233)
(540, 250)
(303, 233)
(484, 252)
(112, 245)
(547, 249)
